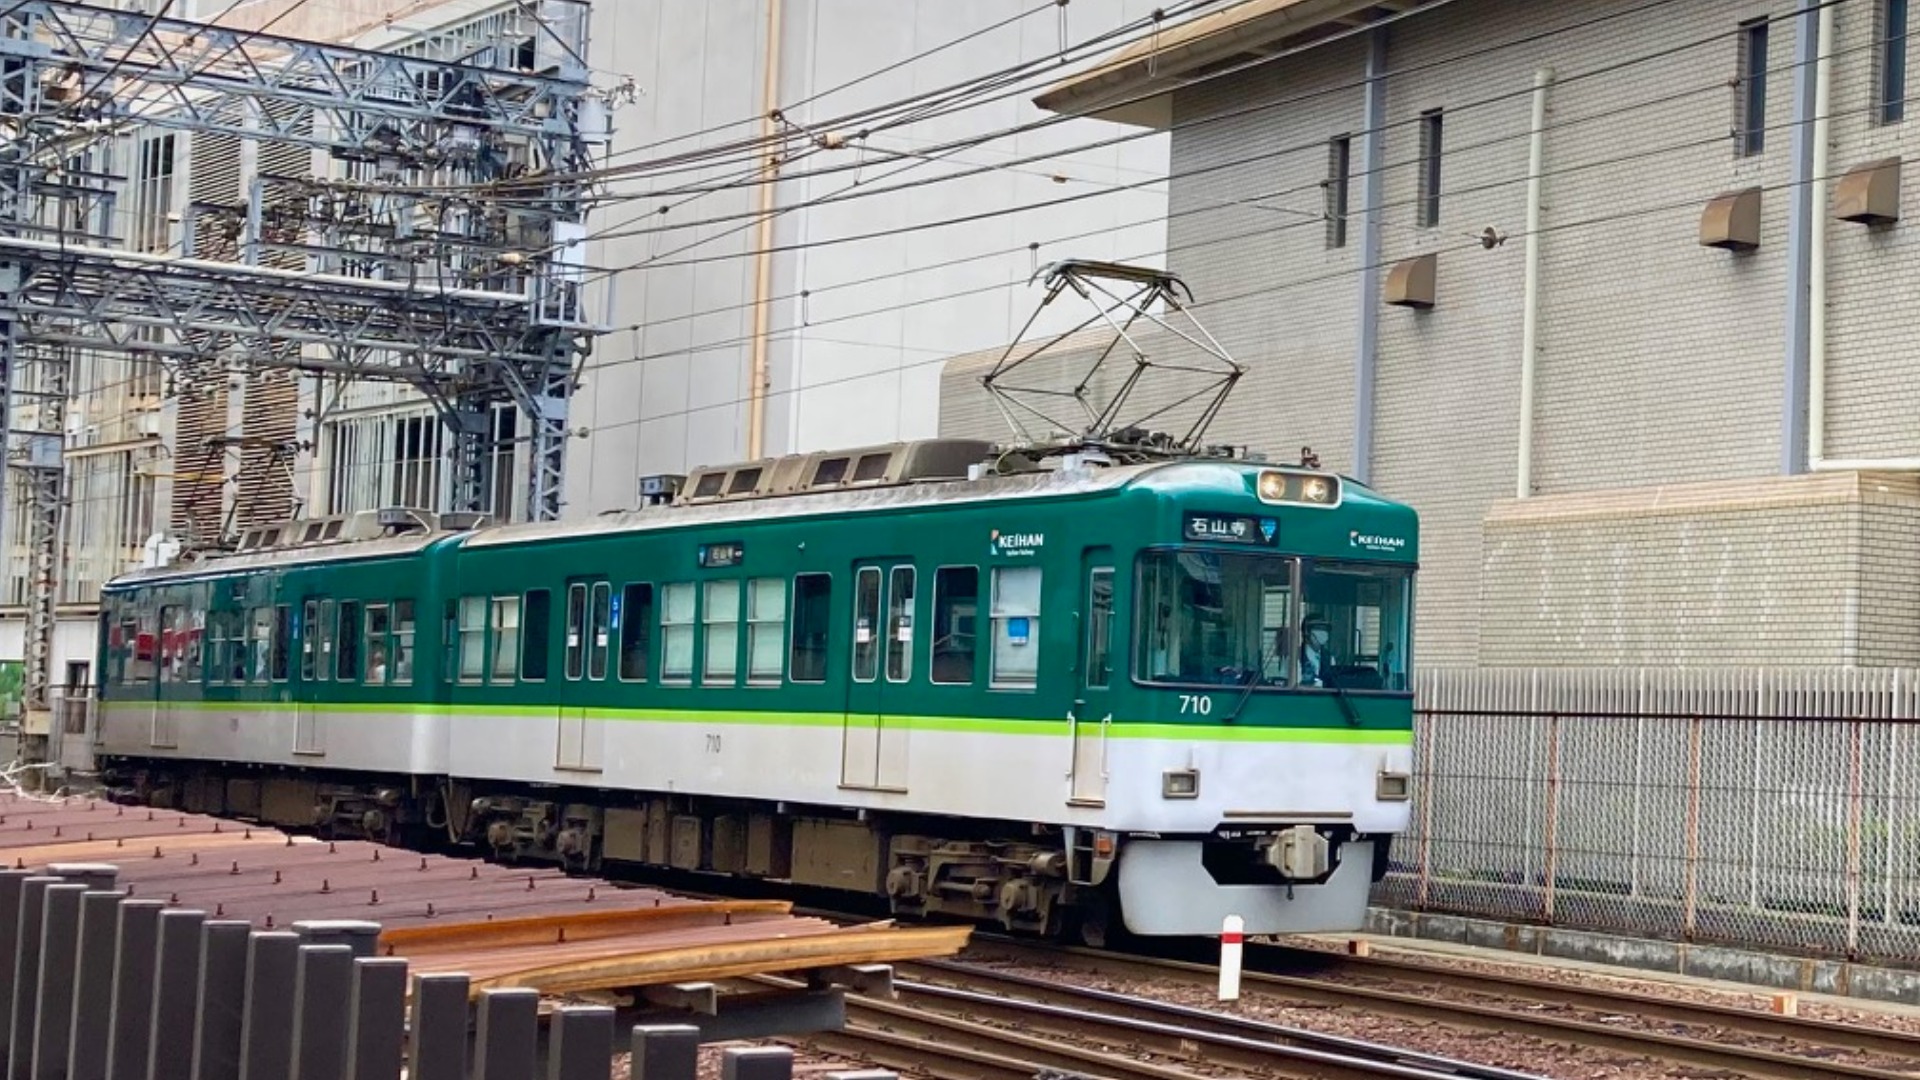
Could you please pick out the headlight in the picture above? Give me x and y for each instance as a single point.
(1180, 784)
(1393, 786)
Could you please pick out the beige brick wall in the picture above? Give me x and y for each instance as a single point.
(1660, 362)
(1802, 571)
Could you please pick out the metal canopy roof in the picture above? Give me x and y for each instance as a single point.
(1240, 33)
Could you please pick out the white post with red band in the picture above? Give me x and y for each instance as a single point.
(1231, 944)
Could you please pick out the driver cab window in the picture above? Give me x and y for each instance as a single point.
(1214, 618)
(1355, 627)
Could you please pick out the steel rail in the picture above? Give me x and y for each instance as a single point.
(964, 1020)
(1731, 1017)
(1193, 1025)
(1682, 1049)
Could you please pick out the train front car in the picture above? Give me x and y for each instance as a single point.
(1258, 750)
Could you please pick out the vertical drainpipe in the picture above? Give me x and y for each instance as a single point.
(1817, 250)
(1372, 168)
(763, 241)
(1800, 211)
(1530, 288)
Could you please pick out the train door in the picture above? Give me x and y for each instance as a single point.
(590, 619)
(1092, 715)
(873, 749)
(313, 630)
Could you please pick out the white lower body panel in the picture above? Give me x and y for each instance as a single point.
(1165, 891)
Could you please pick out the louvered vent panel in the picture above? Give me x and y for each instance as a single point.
(270, 415)
(199, 491)
(284, 205)
(216, 201)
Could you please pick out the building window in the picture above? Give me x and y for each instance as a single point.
(1430, 151)
(1750, 102)
(153, 194)
(1339, 181)
(1890, 68)
(1016, 626)
(722, 617)
(766, 629)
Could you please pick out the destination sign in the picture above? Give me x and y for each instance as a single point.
(1232, 529)
(718, 556)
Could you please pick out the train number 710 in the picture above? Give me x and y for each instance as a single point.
(1196, 704)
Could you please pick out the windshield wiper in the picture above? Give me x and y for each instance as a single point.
(1253, 680)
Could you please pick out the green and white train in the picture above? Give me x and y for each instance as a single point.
(1041, 690)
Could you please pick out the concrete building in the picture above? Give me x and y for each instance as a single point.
(1617, 301)
(852, 326)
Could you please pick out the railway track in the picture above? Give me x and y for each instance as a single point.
(962, 1022)
(1684, 1033)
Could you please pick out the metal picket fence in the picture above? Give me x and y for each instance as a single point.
(1775, 810)
(100, 986)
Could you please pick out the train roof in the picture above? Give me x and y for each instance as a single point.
(916, 474)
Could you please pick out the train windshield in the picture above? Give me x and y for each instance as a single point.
(1227, 619)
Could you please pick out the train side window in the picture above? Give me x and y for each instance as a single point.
(259, 644)
(723, 633)
(1016, 626)
(139, 666)
(601, 643)
(766, 630)
(900, 625)
(196, 641)
(533, 644)
(323, 641)
(1099, 628)
(471, 630)
(348, 668)
(812, 618)
(506, 638)
(378, 665)
(866, 624)
(954, 642)
(216, 649)
(310, 641)
(676, 632)
(402, 673)
(576, 631)
(636, 623)
(170, 644)
(281, 655)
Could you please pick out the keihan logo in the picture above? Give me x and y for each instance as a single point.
(1014, 543)
(1376, 543)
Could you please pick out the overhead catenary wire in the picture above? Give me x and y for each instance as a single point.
(1689, 201)
(1316, 146)
(654, 262)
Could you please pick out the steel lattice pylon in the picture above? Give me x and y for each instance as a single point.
(474, 303)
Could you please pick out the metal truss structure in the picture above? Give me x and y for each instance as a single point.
(424, 278)
(1114, 288)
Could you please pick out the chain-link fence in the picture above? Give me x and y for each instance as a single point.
(1766, 809)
